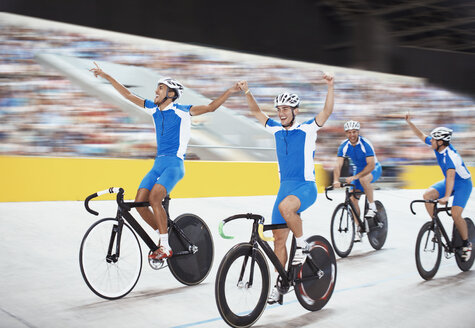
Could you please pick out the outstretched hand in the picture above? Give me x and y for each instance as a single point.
(243, 86)
(328, 77)
(235, 88)
(97, 71)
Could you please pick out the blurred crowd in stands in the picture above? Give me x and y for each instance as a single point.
(43, 114)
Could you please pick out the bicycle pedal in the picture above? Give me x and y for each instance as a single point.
(448, 255)
(157, 264)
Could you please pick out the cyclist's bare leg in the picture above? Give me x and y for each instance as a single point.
(430, 194)
(460, 222)
(156, 197)
(355, 202)
(288, 207)
(280, 248)
(145, 212)
(368, 187)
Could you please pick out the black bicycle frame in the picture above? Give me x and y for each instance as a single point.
(349, 203)
(437, 224)
(287, 276)
(123, 213)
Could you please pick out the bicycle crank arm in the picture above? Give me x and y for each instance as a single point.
(318, 276)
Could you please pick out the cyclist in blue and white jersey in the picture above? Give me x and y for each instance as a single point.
(457, 182)
(295, 146)
(367, 169)
(172, 128)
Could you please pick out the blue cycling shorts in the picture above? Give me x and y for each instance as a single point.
(376, 174)
(167, 171)
(461, 192)
(305, 191)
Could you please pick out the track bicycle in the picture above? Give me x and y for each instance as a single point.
(342, 226)
(110, 255)
(432, 238)
(242, 280)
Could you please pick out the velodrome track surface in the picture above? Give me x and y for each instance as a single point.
(41, 284)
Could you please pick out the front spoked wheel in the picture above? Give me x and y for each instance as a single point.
(428, 251)
(110, 258)
(317, 276)
(189, 265)
(378, 227)
(342, 229)
(457, 241)
(242, 285)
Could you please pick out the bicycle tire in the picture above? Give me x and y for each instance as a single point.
(377, 235)
(191, 269)
(342, 230)
(233, 295)
(457, 242)
(110, 279)
(314, 294)
(428, 241)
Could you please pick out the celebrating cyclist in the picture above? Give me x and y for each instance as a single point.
(366, 171)
(172, 128)
(295, 145)
(457, 181)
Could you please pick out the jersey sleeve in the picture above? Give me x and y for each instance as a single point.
(428, 139)
(184, 108)
(310, 126)
(369, 149)
(340, 150)
(273, 126)
(449, 163)
(149, 106)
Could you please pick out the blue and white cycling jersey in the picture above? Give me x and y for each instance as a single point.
(295, 149)
(450, 159)
(172, 127)
(358, 152)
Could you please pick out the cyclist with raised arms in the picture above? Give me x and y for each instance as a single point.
(457, 182)
(295, 146)
(172, 128)
(367, 169)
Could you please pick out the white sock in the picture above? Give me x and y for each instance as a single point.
(301, 241)
(372, 206)
(164, 240)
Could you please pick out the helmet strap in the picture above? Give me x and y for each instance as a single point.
(166, 96)
(442, 145)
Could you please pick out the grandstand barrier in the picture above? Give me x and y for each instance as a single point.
(47, 179)
(26, 179)
(422, 176)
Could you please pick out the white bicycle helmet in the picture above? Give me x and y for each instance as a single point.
(287, 99)
(352, 125)
(174, 85)
(442, 133)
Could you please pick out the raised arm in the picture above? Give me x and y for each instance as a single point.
(323, 116)
(414, 129)
(119, 87)
(212, 106)
(251, 102)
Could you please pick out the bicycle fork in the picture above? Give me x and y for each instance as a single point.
(116, 235)
(248, 284)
